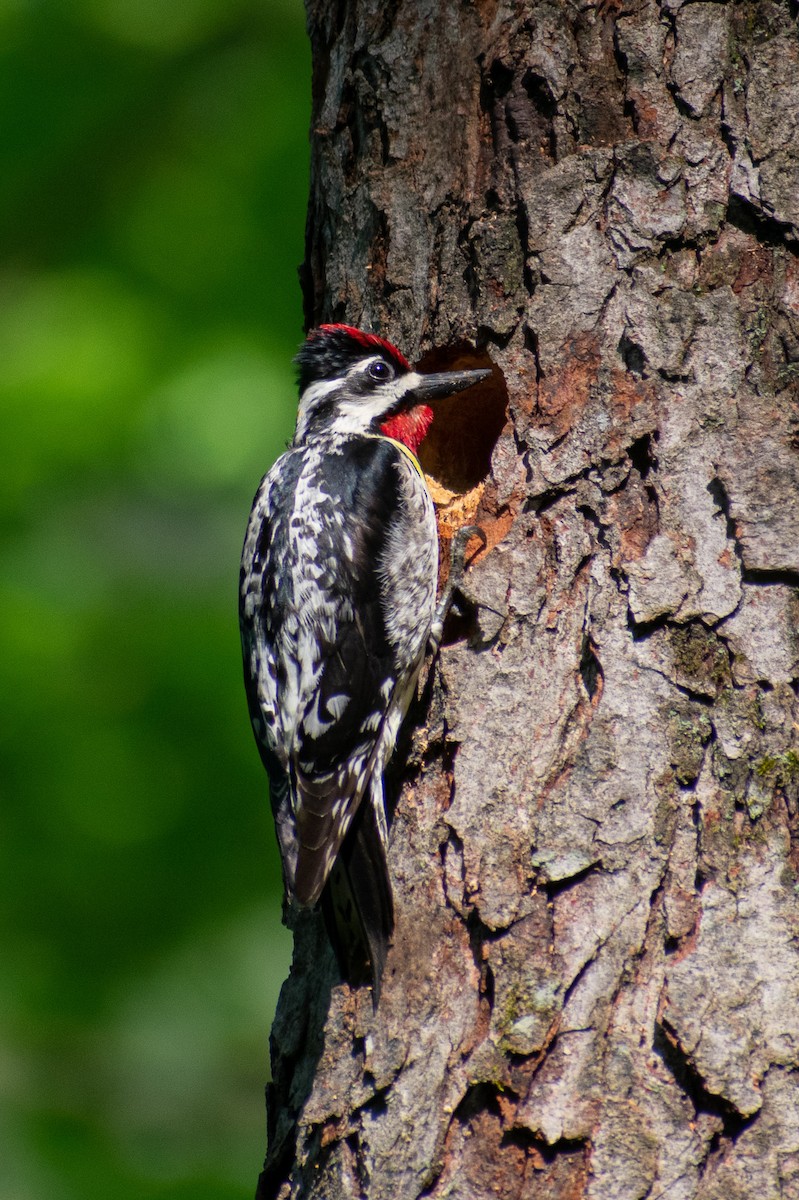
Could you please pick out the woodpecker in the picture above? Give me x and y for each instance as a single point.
(337, 608)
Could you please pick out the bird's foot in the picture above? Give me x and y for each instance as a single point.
(457, 570)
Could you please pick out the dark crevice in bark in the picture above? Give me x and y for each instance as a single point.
(702, 698)
(727, 133)
(668, 1048)
(683, 108)
(673, 376)
(546, 500)
(633, 357)
(542, 100)
(654, 500)
(519, 1135)
(480, 1097)
(747, 217)
(488, 336)
(607, 189)
(488, 986)
(434, 1176)
(669, 246)
(494, 87)
(721, 497)
(696, 809)
(641, 630)
(556, 887)
(471, 274)
(479, 935)
(493, 202)
(308, 278)
(764, 576)
(523, 229)
(452, 839)
(578, 978)
(582, 565)
(353, 1143)
(531, 344)
(377, 1104)
(628, 107)
(593, 518)
(590, 668)
(540, 94)
(479, 932)
(501, 79)
(642, 455)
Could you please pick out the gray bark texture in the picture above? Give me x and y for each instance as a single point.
(594, 985)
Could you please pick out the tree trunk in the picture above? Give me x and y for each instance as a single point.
(594, 983)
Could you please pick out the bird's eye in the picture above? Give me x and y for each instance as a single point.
(379, 370)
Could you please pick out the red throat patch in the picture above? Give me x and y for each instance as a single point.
(409, 427)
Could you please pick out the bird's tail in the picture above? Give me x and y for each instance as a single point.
(357, 901)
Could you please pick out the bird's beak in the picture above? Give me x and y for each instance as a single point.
(446, 383)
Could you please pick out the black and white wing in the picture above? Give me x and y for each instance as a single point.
(338, 594)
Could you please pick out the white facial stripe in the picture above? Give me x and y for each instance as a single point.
(406, 383)
(316, 391)
(356, 414)
(309, 400)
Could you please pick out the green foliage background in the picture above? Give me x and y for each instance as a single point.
(153, 183)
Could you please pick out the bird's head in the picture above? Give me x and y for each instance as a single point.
(353, 382)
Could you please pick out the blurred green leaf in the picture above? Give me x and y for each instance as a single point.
(198, 428)
(152, 208)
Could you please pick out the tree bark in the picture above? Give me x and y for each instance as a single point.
(594, 983)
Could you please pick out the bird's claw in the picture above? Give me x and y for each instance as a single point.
(457, 554)
(457, 570)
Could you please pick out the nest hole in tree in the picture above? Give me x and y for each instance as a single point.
(456, 459)
(456, 454)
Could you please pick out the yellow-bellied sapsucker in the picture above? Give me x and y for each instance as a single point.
(337, 607)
